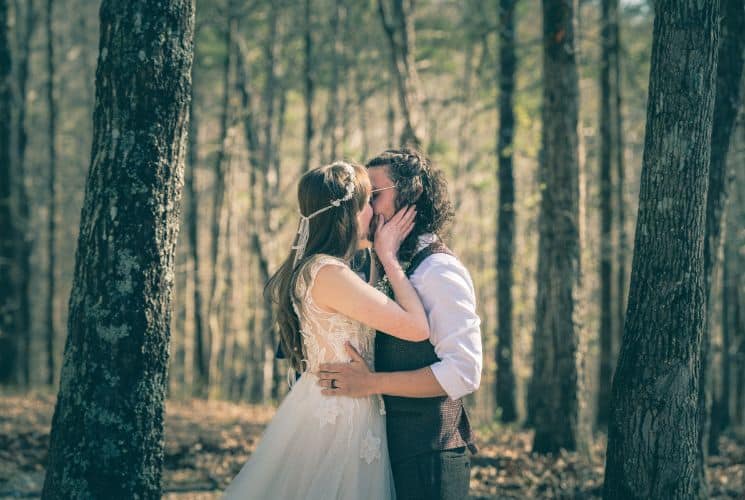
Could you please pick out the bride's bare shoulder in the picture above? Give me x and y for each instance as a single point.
(329, 270)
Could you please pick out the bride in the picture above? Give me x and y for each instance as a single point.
(316, 446)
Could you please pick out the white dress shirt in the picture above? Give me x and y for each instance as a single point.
(446, 291)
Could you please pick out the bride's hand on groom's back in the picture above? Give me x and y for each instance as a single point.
(389, 235)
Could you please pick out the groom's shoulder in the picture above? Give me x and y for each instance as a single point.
(441, 262)
(443, 272)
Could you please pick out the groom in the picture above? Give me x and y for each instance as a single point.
(422, 382)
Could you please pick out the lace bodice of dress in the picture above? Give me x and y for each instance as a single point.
(324, 333)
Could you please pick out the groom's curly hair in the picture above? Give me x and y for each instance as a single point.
(417, 183)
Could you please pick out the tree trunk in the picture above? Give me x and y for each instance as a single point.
(309, 86)
(263, 347)
(251, 374)
(218, 207)
(52, 193)
(23, 240)
(272, 336)
(107, 431)
(401, 38)
(620, 209)
(606, 216)
(654, 423)
(176, 365)
(737, 324)
(331, 128)
(362, 96)
(277, 154)
(249, 124)
(226, 310)
(264, 233)
(733, 302)
(9, 331)
(269, 98)
(390, 116)
(555, 381)
(721, 416)
(726, 107)
(200, 356)
(505, 377)
(464, 129)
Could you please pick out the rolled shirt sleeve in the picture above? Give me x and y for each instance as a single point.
(448, 297)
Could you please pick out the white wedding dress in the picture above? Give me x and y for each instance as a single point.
(316, 446)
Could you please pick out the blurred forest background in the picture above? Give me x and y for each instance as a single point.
(282, 86)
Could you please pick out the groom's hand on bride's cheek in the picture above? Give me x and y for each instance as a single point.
(353, 379)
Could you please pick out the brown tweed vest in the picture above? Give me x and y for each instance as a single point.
(419, 425)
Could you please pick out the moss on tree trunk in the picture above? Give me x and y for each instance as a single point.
(107, 430)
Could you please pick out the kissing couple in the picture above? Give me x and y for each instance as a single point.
(384, 355)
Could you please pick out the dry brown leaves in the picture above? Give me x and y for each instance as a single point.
(207, 442)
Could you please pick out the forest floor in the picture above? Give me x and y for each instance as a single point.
(208, 442)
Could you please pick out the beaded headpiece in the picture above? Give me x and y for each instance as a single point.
(304, 226)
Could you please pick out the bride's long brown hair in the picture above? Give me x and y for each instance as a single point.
(333, 232)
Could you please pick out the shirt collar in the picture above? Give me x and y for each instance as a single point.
(425, 240)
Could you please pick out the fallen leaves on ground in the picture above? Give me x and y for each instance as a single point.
(207, 443)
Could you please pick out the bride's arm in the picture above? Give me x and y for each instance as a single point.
(339, 289)
(447, 292)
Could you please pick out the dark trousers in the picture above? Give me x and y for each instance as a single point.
(439, 475)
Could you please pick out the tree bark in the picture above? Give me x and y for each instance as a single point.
(269, 99)
(107, 431)
(9, 331)
(464, 129)
(200, 357)
(620, 184)
(362, 97)
(248, 117)
(52, 193)
(505, 244)
(733, 299)
(733, 302)
(390, 116)
(721, 415)
(309, 77)
(555, 382)
(264, 233)
(251, 374)
(401, 39)
(219, 214)
(726, 107)
(654, 430)
(23, 240)
(332, 128)
(226, 311)
(606, 215)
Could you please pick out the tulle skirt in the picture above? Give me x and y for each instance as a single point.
(319, 447)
